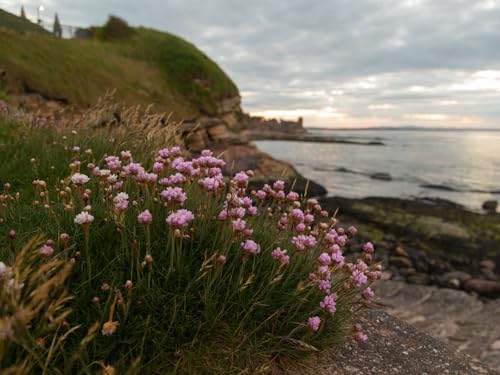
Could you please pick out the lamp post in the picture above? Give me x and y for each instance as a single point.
(38, 11)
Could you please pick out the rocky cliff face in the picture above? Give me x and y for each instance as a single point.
(222, 134)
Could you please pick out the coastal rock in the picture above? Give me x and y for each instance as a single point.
(419, 279)
(393, 347)
(401, 252)
(400, 262)
(454, 279)
(487, 264)
(381, 176)
(483, 287)
(490, 206)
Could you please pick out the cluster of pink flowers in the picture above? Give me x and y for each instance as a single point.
(280, 256)
(120, 201)
(250, 247)
(145, 217)
(180, 218)
(174, 195)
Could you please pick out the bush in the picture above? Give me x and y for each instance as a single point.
(184, 269)
(115, 28)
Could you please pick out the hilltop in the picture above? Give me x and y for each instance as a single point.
(144, 66)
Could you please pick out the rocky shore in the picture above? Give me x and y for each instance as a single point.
(427, 241)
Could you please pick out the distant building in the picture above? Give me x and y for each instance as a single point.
(23, 14)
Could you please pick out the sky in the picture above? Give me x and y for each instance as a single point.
(337, 63)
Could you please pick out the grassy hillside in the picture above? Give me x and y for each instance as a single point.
(12, 22)
(147, 67)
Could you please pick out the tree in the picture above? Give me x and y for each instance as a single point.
(23, 14)
(57, 29)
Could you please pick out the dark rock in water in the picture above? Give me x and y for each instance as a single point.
(438, 187)
(400, 262)
(454, 279)
(483, 287)
(419, 278)
(381, 176)
(487, 264)
(490, 206)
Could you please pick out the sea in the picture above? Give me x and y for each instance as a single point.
(462, 166)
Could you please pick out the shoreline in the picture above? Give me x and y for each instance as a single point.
(306, 137)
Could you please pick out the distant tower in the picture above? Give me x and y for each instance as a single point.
(23, 14)
(57, 29)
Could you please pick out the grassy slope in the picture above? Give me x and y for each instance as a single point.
(151, 67)
(12, 22)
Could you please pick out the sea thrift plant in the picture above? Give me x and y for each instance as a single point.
(164, 251)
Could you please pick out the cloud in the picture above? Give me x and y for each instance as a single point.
(386, 61)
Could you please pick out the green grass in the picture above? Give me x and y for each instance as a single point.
(149, 67)
(12, 22)
(189, 314)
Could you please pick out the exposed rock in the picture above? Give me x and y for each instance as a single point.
(381, 176)
(401, 252)
(463, 320)
(419, 278)
(487, 264)
(229, 105)
(490, 206)
(454, 279)
(483, 287)
(400, 262)
(394, 347)
(495, 345)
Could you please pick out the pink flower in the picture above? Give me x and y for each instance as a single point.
(279, 185)
(145, 217)
(341, 240)
(211, 183)
(329, 303)
(79, 179)
(358, 278)
(308, 219)
(222, 215)
(352, 231)
(324, 259)
(113, 162)
(121, 201)
(300, 227)
(241, 179)
(303, 242)
(84, 218)
(250, 247)
(361, 337)
(313, 323)
(292, 196)
(297, 215)
(260, 194)
(46, 251)
(280, 256)
(368, 294)
(157, 167)
(325, 286)
(252, 211)
(368, 248)
(175, 194)
(239, 225)
(180, 218)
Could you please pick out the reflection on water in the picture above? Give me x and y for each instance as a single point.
(464, 164)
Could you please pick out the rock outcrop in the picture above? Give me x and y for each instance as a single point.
(394, 347)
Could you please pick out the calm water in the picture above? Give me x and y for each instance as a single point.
(465, 163)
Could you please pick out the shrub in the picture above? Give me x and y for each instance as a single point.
(115, 28)
(183, 268)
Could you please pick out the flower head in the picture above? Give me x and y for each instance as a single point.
(84, 218)
(145, 217)
(313, 323)
(180, 218)
(329, 303)
(109, 328)
(79, 179)
(250, 247)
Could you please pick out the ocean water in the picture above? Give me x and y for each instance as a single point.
(462, 166)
